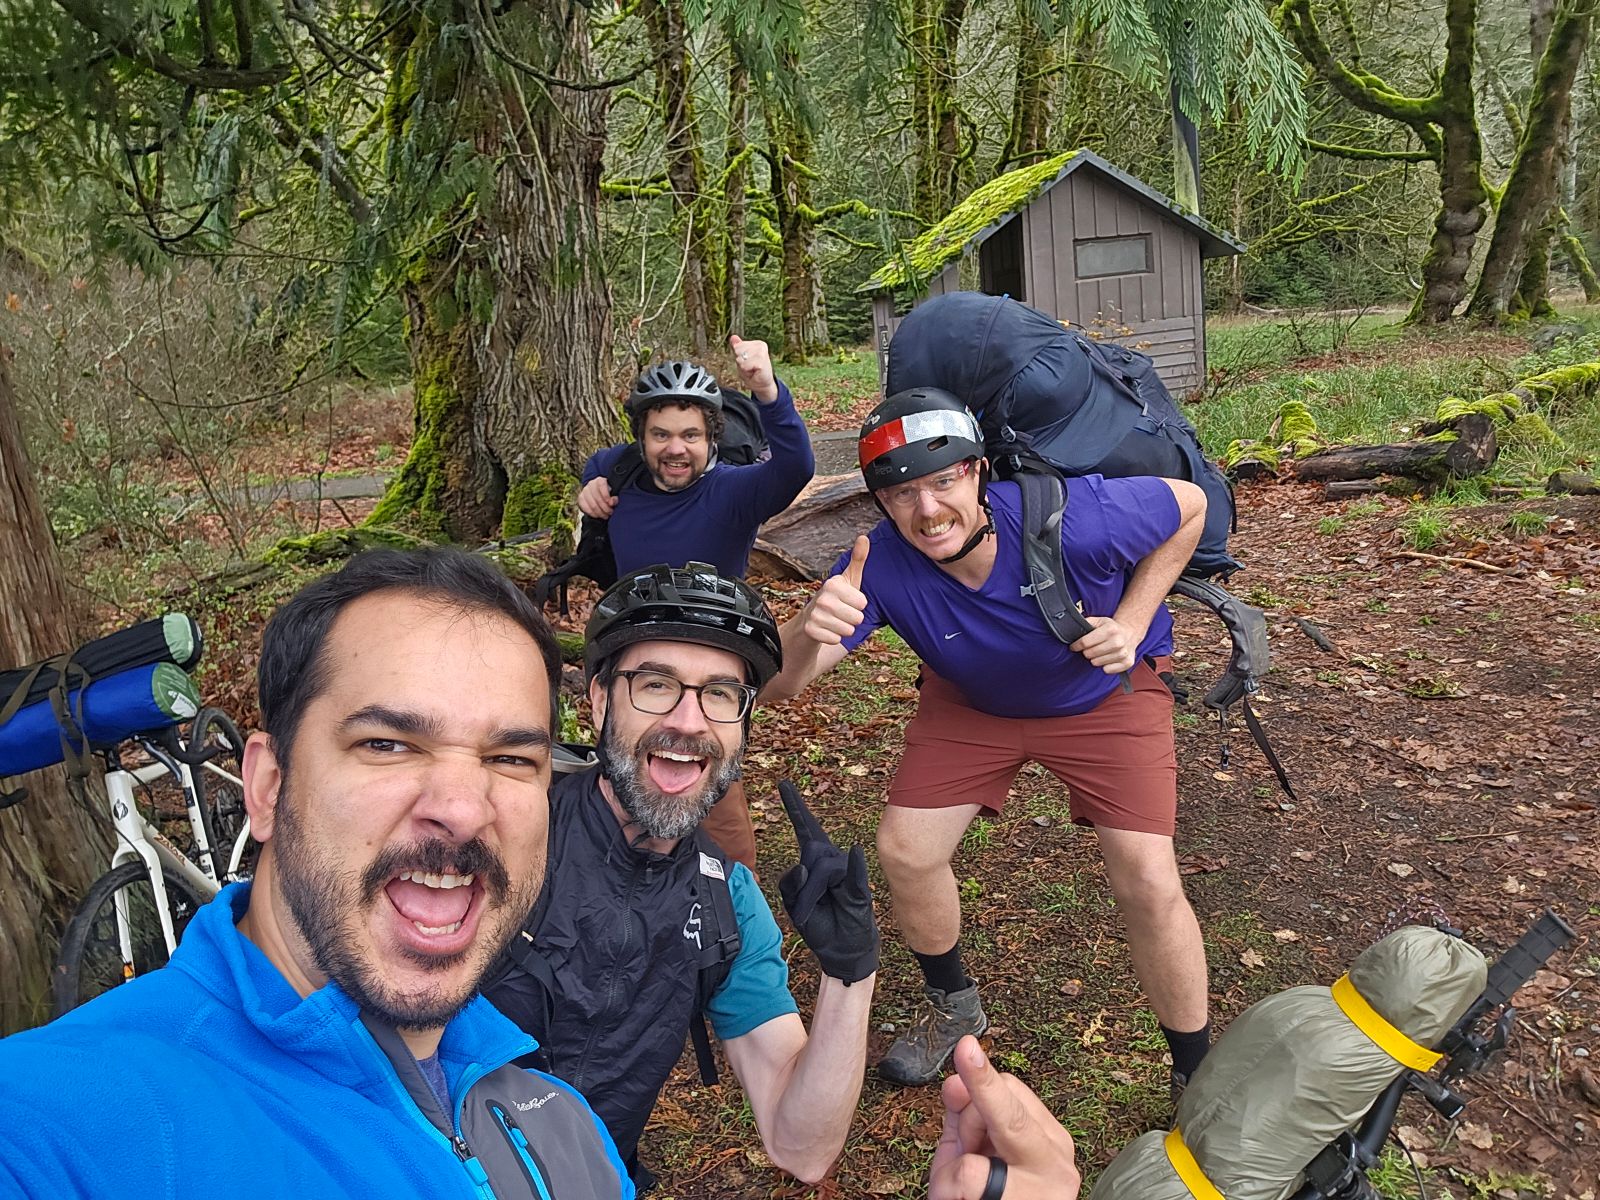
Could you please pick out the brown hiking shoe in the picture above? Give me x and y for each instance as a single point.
(919, 1056)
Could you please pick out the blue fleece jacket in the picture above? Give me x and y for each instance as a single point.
(713, 520)
(213, 1077)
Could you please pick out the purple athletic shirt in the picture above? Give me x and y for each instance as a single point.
(993, 643)
(713, 520)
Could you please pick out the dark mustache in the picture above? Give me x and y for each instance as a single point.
(438, 857)
(681, 743)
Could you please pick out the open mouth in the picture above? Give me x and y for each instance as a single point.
(938, 529)
(674, 772)
(440, 909)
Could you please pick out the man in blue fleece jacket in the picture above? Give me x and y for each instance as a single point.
(318, 1032)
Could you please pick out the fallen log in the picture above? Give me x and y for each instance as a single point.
(1348, 489)
(1572, 483)
(805, 540)
(1470, 451)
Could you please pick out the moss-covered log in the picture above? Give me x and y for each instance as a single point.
(1468, 449)
(1531, 190)
(508, 315)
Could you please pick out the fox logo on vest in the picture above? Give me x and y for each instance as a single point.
(691, 927)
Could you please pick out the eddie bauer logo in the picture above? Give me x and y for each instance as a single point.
(540, 1102)
(691, 927)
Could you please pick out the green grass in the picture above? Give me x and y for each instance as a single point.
(1248, 344)
(829, 385)
(1384, 400)
(1424, 528)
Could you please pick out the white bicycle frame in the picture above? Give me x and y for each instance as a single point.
(139, 841)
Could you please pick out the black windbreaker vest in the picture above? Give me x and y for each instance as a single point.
(623, 932)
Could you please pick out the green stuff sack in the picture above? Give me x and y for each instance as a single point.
(1295, 1070)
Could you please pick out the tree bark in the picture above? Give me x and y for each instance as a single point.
(935, 37)
(508, 312)
(805, 314)
(733, 191)
(1037, 64)
(50, 850)
(1444, 121)
(664, 22)
(1522, 226)
(1463, 195)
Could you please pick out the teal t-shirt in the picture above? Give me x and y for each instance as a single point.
(757, 987)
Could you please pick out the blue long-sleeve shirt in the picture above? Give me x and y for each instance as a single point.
(713, 520)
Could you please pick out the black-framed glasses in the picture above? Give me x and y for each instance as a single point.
(723, 701)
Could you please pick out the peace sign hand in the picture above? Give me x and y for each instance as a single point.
(828, 897)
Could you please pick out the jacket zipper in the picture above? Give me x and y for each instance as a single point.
(523, 1151)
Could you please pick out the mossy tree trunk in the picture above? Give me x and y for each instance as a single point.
(50, 850)
(1038, 62)
(668, 35)
(508, 313)
(735, 207)
(1523, 224)
(934, 39)
(805, 314)
(1444, 122)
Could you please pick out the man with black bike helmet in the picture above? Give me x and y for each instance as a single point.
(946, 572)
(644, 924)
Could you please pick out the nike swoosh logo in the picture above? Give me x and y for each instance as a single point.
(957, 633)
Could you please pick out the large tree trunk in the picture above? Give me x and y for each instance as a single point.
(734, 206)
(663, 19)
(50, 851)
(1463, 197)
(1444, 121)
(1037, 64)
(935, 37)
(509, 317)
(805, 314)
(1529, 200)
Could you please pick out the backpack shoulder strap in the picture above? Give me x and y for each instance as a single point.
(720, 943)
(1044, 503)
(1247, 629)
(626, 468)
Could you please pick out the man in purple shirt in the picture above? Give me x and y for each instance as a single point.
(945, 571)
(685, 506)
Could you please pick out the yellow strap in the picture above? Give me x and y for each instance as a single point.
(1188, 1170)
(1384, 1035)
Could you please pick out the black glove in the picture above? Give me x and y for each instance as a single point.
(828, 897)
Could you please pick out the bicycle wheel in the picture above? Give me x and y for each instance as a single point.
(218, 786)
(91, 957)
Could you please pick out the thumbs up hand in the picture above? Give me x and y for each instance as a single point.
(839, 607)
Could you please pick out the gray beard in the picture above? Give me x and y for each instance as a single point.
(659, 815)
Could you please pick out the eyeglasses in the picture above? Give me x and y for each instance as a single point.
(904, 495)
(657, 694)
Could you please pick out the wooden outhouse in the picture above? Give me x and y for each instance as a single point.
(1079, 239)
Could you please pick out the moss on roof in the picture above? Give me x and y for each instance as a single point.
(932, 250)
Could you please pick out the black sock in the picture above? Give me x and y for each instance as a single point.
(943, 971)
(1188, 1049)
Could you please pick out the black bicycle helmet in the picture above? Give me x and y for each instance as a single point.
(914, 433)
(688, 604)
(669, 382)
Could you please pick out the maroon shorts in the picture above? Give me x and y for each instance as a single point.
(1116, 759)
